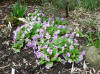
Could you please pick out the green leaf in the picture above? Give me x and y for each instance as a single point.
(41, 62)
(60, 52)
(54, 51)
(66, 58)
(17, 50)
(49, 64)
(53, 59)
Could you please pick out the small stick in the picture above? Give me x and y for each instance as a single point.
(13, 71)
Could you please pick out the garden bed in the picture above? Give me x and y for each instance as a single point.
(24, 62)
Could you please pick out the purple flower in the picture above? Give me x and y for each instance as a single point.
(52, 22)
(32, 44)
(35, 37)
(41, 31)
(39, 48)
(76, 41)
(66, 35)
(47, 36)
(70, 29)
(62, 19)
(80, 57)
(15, 35)
(39, 19)
(46, 58)
(59, 26)
(45, 46)
(27, 40)
(63, 48)
(49, 50)
(70, 61)
(28, 29)
(63, 55)
(72, 35)
(48, 42)
(39, 54)
(71, 47)
(18, 29)
(57, 32)
(56, 47)
(46, 24)
(29, 44)
(54, 37)
(42, 41)
(57, 54)
(68, 54)
(77, 35)
(25, 48)
(83, 52)
(65, 45)
(63, 26)
(76, 44)
(23, 34)
(63, 61)
(41, 35)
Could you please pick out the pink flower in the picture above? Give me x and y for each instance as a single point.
(48, 42)
(80, 57)
(39, 47)
(27, 40)
(47, 36)
(68, 54)
(71, 47)
(76, 41)
(56, 47)
(39, 54)
(63, 26)
(66, 35)
(55, 36)
(42, 41)
(46, 58)
(63, 48)
(69, 40)
(62, 19)
(39, 19)
(57, 54)
(65, 45)
(70, 61)
(49, 50)
(70, 29)
(57, 32)
(46, 24)
(72, 35)
(63, 55)
(77, 35)
(83, 52)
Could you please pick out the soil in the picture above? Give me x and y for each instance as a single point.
(24, 62)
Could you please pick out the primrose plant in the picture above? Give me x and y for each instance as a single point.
(49, 39)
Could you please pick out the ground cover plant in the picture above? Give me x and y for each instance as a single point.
(49, 39)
